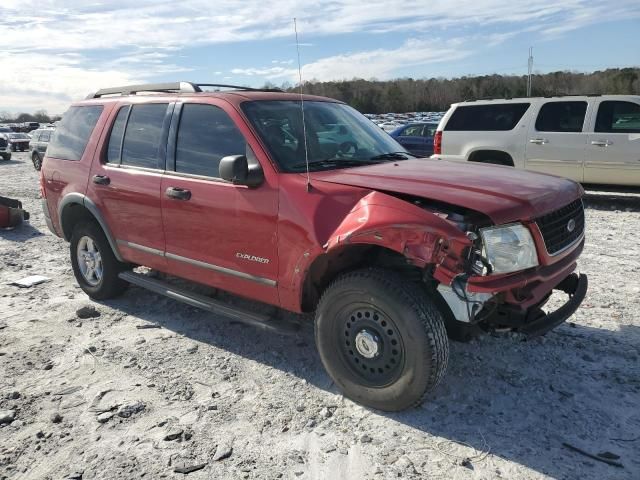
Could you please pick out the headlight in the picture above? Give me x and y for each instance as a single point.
(509, 248)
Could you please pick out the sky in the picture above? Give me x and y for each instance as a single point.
(55, 52)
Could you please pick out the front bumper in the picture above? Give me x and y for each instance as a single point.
(576, 287)
(519, 297)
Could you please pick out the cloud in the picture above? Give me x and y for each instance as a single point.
(380, 63)
(74, 25)
(384, 63)
(267, 72)
(51, 82)
(57, 48)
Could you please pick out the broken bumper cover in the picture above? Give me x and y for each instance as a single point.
(11, 213)
(575, 285)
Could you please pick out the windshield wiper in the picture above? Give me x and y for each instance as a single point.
(340, 162)
(394, 156)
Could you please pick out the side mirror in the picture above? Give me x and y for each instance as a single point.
(236, 169)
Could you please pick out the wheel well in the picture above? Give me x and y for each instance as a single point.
(72, 214)
(328, 266)
(495, 157)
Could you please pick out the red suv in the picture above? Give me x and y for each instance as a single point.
(245, 191)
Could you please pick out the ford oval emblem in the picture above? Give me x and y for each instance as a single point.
(571, 225)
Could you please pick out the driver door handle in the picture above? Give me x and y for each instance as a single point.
(178, 193)
(538, 141)
(101, 180)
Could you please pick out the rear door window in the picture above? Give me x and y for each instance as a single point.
(73, 132)
(143, 135)
(497, 117)
(618, 117)
(561, 117)
(206, 135)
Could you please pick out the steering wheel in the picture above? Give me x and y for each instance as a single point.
(348, 149)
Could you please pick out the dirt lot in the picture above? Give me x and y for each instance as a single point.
(99, 398)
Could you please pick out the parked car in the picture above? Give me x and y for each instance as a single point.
(5, 150)
(39, 142)
(389, 252)
(590, 139)
(416, 137)
(389, 126)
(18, 142)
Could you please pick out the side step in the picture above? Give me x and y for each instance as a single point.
(205, 303)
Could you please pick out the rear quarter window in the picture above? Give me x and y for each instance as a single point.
(498, 117)
(618, 117)
(74, 130)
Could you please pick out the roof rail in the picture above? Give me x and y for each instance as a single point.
(170, 87)
(236, 87)
(558, 95)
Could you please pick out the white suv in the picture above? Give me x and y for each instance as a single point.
(590, 139)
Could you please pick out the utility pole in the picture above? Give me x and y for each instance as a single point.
(530, 71)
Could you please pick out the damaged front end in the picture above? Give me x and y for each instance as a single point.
(509, 274)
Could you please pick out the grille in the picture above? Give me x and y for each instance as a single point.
(554, 227)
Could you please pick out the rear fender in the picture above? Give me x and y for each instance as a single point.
(422, 237)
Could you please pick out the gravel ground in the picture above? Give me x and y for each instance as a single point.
(101, 398)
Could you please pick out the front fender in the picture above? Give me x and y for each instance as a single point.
(423, 237)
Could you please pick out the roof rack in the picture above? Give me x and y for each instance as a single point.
(170, 87)
(559, 95)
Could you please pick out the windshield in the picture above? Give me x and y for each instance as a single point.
(337, 135)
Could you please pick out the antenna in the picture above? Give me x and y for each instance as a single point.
(530, 70)
(304, 127)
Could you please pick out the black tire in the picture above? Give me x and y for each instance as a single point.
(109, 285)
(37, 161)
(386, 310)
(6, 157)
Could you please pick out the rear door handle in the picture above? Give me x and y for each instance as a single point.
(101, 180)
(178, 193)
(601, 143)
(538, 141)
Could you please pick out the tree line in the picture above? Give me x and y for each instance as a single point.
(40, 116)
(436, 94)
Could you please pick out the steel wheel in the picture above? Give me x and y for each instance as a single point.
(372, 346)
(89, 261)
(380, 338)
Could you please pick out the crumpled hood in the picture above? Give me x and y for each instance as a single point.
(504, 194)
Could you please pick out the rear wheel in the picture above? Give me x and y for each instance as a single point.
(95, 266)
(37, 161)
(381, 339)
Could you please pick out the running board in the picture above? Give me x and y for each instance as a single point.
(205, 303)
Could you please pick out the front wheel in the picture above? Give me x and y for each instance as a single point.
(95, 266)
(381, 339)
